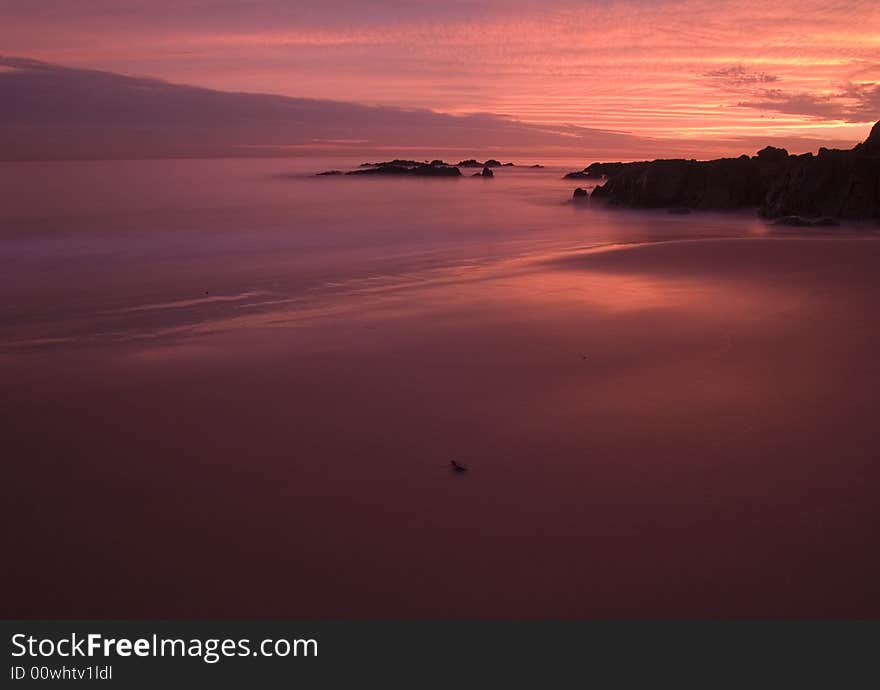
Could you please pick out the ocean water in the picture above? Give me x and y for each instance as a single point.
(81, 241)
(233, 389)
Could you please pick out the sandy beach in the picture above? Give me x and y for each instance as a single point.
(682, 428)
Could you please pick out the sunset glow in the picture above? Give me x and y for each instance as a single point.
(683, 70)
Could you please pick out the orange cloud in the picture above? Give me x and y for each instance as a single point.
(669, 69)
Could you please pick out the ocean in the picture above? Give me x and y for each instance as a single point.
(233, 389)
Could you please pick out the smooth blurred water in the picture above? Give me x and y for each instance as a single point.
(229, 388)
(80, 238)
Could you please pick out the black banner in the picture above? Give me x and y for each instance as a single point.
(132, 654)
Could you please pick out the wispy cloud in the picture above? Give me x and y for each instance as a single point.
(852, 103)
(663, 68)
(737, 77)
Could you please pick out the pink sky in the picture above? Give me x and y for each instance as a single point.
(693, 70)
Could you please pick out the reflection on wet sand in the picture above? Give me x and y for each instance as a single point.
(670, 429)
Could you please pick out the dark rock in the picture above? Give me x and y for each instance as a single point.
(487, 172)
(329, 172)
(871, 145)
(406, 163)
(771, 153)
(580, 193)
(600, 193)
(595, 171)
(604, 169)
(436, 171)
(474, 163)
(836, 184)
(726, 183)
(536, 165)
(833, 184)
(419, 170)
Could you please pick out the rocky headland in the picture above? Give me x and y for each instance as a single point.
(834, 183)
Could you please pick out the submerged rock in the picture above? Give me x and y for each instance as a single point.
(580, 193)
(329, 172)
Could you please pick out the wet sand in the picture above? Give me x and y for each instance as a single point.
(673, 429)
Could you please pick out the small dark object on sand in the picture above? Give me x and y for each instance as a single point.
(456, 467)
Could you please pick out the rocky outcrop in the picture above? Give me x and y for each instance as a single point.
(836, 183)
(771, 153)
(833, 184)
(474, 163)
(399, 167)
(871, 145)
(404, 166)
(329, 172)
(595, 171)
(726, 183)
(580, 194)
(402, 162)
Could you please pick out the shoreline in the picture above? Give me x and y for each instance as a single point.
(678, 428)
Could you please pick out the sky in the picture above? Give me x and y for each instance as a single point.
(698, 72)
